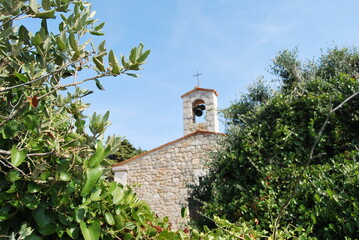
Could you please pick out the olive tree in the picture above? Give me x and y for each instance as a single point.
(52, 156)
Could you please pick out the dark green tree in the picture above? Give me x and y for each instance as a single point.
(291, 156)
(125, 151)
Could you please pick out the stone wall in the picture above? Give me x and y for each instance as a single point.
(165, 172)
(209, 98)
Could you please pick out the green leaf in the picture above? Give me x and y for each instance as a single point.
(60, 43)
(124, 62)
(130, 226)
(14, 187)
(95, 195)
(62, 6)
(246, 237)
(133, 54)
(30, 201)
(36, 40)
(10, 130)
(73, 42)
(314, 219)
(45, 175)
(80, 214)
(116, 68)
(5, 33)
(109, 218)
(65, 176)
(43, 217)
(100, 26)
(33, 187)
(92, 175)
(33, 237)
(87, 202)
(46, 4)
(92, 14)
(99, 85)
(45, 14)
(184, 212)
(24, 34)
(21, 77)
(106, 116)
(132, 74)
(92, 232)
(101, 46)
(97, 33)
(99, 64)
(5, 212)
(17, 157)
(73, 232)
(34, 6)
(120, 221)
(112, 59)
(75, 56)
(13, 175)
(49, 229)
(98, 156)
(144, 56)
(118, 195)
(330, 193)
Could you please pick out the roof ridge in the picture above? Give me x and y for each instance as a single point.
(164, 145)
(200, 89)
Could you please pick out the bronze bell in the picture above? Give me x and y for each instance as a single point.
(198, 111)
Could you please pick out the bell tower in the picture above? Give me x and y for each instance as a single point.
(200, 110)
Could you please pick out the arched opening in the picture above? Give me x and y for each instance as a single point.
(199, 111)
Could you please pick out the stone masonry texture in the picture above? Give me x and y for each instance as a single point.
(209, 98)
(165, 173)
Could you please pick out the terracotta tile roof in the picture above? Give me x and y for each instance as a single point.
(200, 89)
(164, 145)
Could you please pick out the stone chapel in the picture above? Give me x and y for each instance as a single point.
(165, 172)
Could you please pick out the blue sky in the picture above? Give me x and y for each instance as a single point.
(230, 41)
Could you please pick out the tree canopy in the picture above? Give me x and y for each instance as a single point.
(126, 151)
(289, 162)
(53, 166)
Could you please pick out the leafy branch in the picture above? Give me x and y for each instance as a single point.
(46, 75)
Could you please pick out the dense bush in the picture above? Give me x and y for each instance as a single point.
(290, 159)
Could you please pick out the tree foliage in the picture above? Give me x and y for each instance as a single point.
(290, 159)
(52, 156)
(126, 151)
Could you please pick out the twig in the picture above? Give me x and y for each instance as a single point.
(346, 100)
(13, 18)
(73, 84)
(29, 154)
(224, 229)
(19, 18)
(14, 114)
(9, 165)
(41, 154)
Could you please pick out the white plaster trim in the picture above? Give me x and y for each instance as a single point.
(120, 169)
(121, 177)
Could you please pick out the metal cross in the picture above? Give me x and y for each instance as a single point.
(197, 75)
